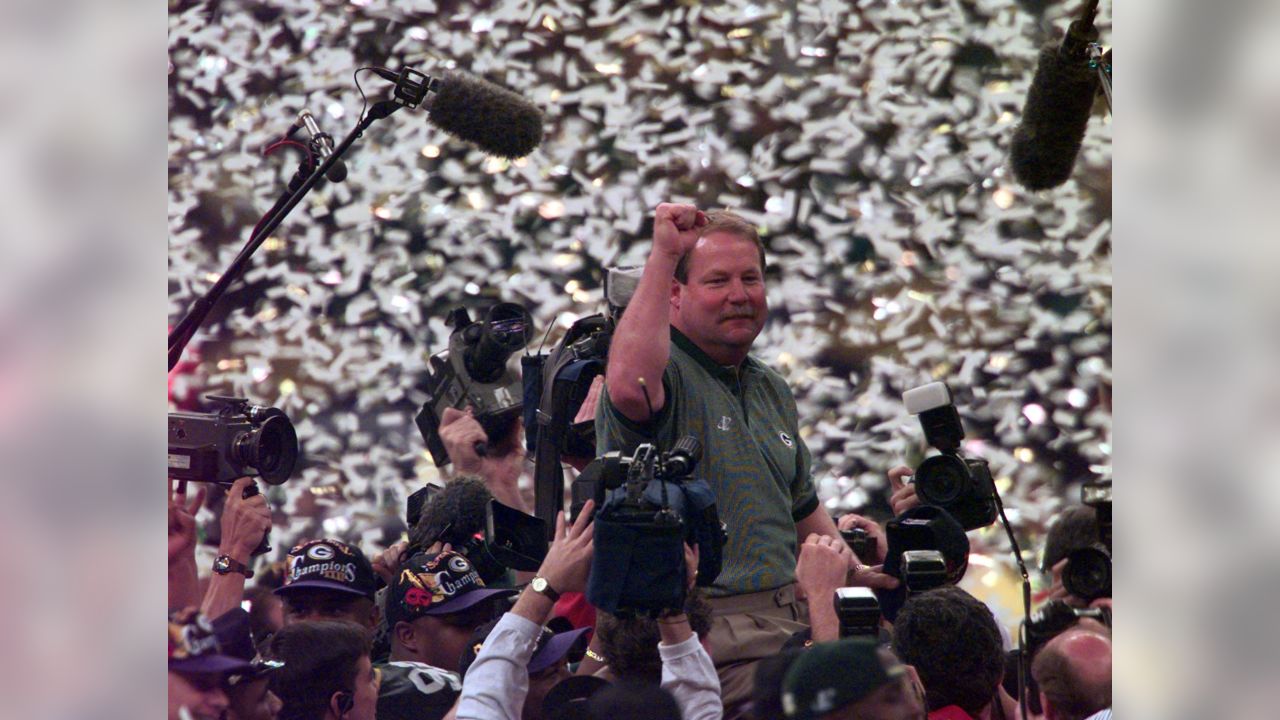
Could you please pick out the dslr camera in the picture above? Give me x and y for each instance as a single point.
(650, 506)
(1088, 571)
(473, 371)
(961, 486)
(238, 440)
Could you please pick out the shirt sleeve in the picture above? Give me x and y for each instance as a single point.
(498, 680)
(615, 431)
(690, 676)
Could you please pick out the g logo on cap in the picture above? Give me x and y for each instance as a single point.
(320, 552)
(459, 564)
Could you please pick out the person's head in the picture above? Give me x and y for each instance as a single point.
(633, 701)
(766, 694)
(850, 679)
(328, 580)
(1073, 672)
(198, 668)
(718, 296)
(1074, 528)
(266, 612)
(630, 645)
(248, 692)
(568, 699)
(326, 673)
(435, 605)
(954, 643)
(548, 666)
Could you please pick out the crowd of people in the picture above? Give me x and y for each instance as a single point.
(415, 631)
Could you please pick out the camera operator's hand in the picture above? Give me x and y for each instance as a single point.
(822, 565)
(690, 566)
(675, 228)
(851, 521)
(244, 521)
(904, 494)
(565, 568)
(586, 412)
(1058, 591)
(503, 463)
(182, 522)
(387, 563)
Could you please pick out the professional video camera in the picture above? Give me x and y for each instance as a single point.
(236, 441)
(1088, 571)
(649, 507)
(473, 371)
(960, 485)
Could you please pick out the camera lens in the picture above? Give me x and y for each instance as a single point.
(271, 449)
(1088, 573)
(941, 480)
(506, 328)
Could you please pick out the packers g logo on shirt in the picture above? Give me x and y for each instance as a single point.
(786, 439)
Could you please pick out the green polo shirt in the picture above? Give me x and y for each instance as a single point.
(752, 457)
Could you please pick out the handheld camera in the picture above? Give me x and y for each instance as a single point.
(962, 486)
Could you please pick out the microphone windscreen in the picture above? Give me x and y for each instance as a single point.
(497, 120)
(454, 514)
(1054, 119)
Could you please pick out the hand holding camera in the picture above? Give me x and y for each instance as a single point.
(865, 537)
(182, 523)
(245, 520)
(904, 493)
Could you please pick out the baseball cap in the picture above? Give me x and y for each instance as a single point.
(329, 565)
(436, 584)
(552, 647)
(830, 676)
(194, 647)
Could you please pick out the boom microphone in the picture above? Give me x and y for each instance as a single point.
(493, 118)
(322, 144)
(1056, 114)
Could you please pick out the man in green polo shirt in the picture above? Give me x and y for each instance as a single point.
(687, 332)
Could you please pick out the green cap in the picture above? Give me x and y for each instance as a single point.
(829, 676)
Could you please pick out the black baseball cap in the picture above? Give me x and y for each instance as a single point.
(329, 565)
(830, 676)
(436, 584)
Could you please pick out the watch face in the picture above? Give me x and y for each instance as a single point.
(539, 584)
(222, 564)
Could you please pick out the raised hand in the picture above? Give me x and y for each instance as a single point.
(244, 521)
(675, 228)
(182, 522)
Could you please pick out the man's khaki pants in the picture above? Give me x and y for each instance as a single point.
(746, 628)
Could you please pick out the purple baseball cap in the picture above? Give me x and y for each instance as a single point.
(194, 647)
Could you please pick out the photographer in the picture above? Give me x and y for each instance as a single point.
(688, 332)
(1075, 528)
(953, 642)
(1074, 674)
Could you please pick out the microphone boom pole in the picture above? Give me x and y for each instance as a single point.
(182, 333)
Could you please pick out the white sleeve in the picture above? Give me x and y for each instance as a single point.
(498, 679)
(690, 676)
